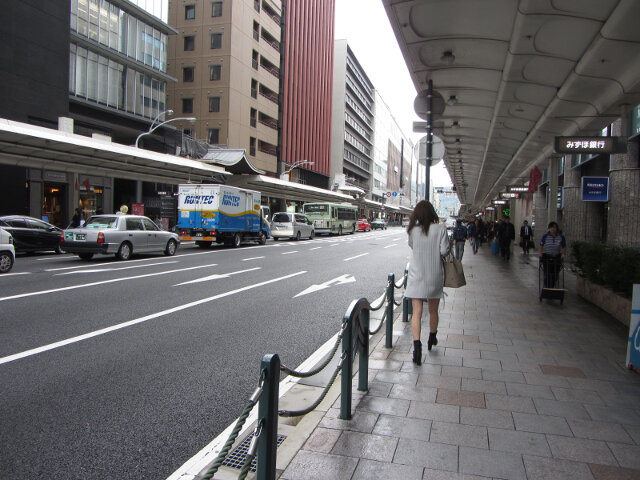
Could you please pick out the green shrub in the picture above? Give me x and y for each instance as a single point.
(610, 265)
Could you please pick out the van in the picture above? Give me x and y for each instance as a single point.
(7, 251)
(291, 225)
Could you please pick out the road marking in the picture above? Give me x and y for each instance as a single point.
(334, 244)
(101, 270)
(251, 258)
(4, 275)
(287, 253)
(346, 278)
(357, 256)
(79, 338)
(217, 276)
(392, 245)
(314, 248)
(93, 284)
(89, 265)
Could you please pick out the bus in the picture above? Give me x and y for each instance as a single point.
(333, 218)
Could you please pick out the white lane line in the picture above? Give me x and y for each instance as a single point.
(392, 245)
(334, 244)
(357, 256)
(103, 270)
(4, 275)
(93, 284)
(89, 265)
(216, 276)
(314, 248)
(251, 258)
(79, 338)
(287, 253)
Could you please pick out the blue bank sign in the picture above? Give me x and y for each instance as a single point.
(633, 350)
(595, 189)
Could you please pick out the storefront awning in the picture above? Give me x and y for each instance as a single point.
(32, 146)
(274, 187)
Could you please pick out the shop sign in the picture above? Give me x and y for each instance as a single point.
(137, 208)
(509, 195)
(595, 189)
(584, 144)
(633, 347)
(560, 204)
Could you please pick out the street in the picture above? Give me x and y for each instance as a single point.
(124, 370)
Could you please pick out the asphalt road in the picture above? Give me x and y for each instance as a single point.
(125, 370)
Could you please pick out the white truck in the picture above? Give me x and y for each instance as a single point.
(210, 213)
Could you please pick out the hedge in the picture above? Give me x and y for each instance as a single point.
(609, 265)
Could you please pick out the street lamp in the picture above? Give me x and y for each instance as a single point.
(154, 127)
(285, 175)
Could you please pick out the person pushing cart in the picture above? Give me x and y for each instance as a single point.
(552, 251)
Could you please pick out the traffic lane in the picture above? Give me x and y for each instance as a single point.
(94, 311)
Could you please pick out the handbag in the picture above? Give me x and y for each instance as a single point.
(531, 244)
(453, 272)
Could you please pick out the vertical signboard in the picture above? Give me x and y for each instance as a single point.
(633, 348)
(595, 189)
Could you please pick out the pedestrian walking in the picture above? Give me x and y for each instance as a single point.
(459, 237)
(506, 233)
(428, 241)
(76, 220)
(475, 230)
(553, 248)
(526, 234)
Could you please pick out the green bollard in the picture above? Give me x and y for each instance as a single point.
(390, 295)
(363, 351)
(268, 418)
(347, 371)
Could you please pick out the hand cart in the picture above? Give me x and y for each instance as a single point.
(551, 278)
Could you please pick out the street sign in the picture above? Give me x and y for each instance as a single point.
(585, 144)
(595, 189)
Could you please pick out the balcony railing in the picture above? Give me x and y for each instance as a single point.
(269, 122)
(269, 95)
(275, 71)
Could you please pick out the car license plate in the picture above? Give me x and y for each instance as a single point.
(81, 236)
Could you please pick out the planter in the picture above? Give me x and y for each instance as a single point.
(609, 301)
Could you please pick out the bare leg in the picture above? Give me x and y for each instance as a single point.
(416, 317)
(433, 314)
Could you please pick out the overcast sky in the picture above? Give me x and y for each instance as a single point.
(365, 25)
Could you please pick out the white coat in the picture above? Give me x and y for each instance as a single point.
(426, 274)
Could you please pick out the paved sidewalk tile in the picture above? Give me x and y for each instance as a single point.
(433, 411)
(561, 409)
(403, 427)
(509, 403)
(581, 450)
(518, 442)
(539, 468)
(462, 372)
(487, 418)
(437, 456)
(491, 464)
(605, 472)
(360, 421)
(462, 435)
(461, 398)
(410, 392)
(389, 406)
(486, 386)
(372, 470)
(627, 455)
(319, 466)
(439, 382)
(363, 445)
(562, 371)
(541, 424)
(612, 432)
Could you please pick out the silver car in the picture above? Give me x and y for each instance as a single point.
(121, 235)
(291, 225)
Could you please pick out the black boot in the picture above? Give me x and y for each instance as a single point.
(433, 340)
(417, 352)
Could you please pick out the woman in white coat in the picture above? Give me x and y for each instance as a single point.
(429, 242)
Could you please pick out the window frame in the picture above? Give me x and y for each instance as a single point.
(212, 106)
(213, 69)
(190, 8)
(189, 100)
(218, 36)
(216, 8)
(192, 39)
(192, 69)
(210, 132)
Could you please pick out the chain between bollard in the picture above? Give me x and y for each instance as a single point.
(380, 325)
(319, 368)
(298, 413)
(251, 452)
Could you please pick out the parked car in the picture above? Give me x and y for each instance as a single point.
(7, 251)
(378, 223)
(291, 225)
(364, 225)
(120, 235)
(31, 234)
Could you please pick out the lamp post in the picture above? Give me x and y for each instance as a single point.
(154, 127)
(285, 175)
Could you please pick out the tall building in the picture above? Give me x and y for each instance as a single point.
(226, 57)
(307, 90)
(352, 122)
(90, 67)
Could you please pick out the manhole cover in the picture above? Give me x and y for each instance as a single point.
(238, 455)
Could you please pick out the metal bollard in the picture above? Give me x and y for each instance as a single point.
(390, 299)
(407, 309)
(268, 418)
(347, 370)
(363, 345)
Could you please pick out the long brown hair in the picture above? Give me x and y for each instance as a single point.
(424, 215)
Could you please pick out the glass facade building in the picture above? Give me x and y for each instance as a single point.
(118, 58)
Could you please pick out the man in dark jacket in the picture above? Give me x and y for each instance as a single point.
(526, 235)
(506, 233)
(459, 237)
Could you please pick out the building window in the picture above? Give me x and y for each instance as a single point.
(216, 9)
(189, 43)
(256, 31)
(216, 41)
(187, 105)
(213, 136)
(256, 5)
(189, 12)
(187, 74)
(215, 72)
(214, 104)
(188, 132)
(252, 146)
(253, 117)
(254, 60)
(254, 88)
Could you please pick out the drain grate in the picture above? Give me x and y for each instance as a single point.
(238, 455)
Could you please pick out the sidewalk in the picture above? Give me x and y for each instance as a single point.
(516, 389)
